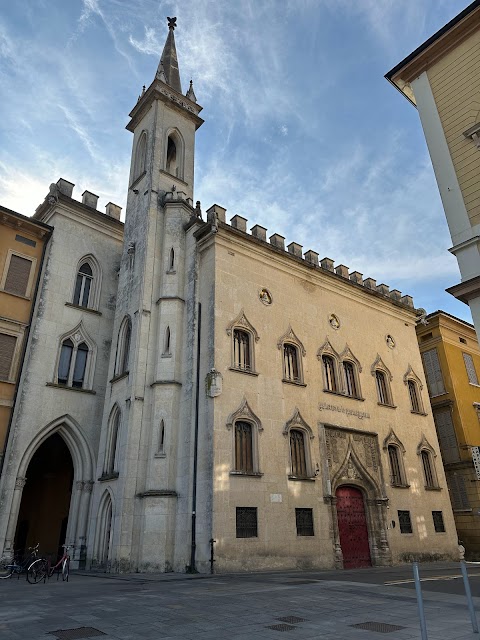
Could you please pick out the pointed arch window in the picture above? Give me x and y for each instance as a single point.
(140, 156)
(110, 465)
(75, 361)
(350, 379)
(244, 337)
(427, 456)
(123, 347)
(87, 284)
(383, 378)
(174, 154)
(395, 452)
(330, 374)
(414, 386)
(299, 435)
(161, 437)
(246, 427)
(293, 351)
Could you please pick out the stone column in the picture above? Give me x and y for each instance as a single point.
(12, 523)
(73, 519)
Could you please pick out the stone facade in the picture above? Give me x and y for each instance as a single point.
(254, 399)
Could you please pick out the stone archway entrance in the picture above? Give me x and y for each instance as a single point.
(352, 528)
(43, 514)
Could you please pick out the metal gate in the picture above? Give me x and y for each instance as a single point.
(352, 527)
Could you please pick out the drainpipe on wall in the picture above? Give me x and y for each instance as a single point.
(192, 568)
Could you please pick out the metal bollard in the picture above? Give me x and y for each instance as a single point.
(421, 612)
(468, 593)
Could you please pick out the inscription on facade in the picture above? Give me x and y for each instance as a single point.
(349, 412)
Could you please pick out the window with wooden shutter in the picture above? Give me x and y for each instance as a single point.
(471, 373)
(18, 275)
(458, 493)
(433, 372)
(7, 350)
(446, 435)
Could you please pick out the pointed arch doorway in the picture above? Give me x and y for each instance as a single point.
(43, 514)
(352, 528)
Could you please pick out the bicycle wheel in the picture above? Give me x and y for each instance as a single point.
(37, 571)
(66, 569)
(6, 567)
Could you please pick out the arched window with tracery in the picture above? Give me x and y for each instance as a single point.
(395, 452)
(243, 336)
(86, 291)
(330, 374)
(75, 360)
(297, 454)
(427, 456)
(414, 386)
(299, 435)
(383, 378)
(243, 447)
(245, 426)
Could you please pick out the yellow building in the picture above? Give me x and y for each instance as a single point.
(451, 359)
(23, 242)
(441, 79)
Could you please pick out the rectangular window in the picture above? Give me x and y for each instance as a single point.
(438, 521)
(31, 243)
(304, 520)
(247, 522)
(433, 372)
(405, 522)
(18, 275)
(471, 373)
(446, 435)
(7, 350)
(458, 493)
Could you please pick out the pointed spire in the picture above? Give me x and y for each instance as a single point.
(191, 93)
(168, 71)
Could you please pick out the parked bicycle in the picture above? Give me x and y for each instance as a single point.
(44, 567)
(32, 565)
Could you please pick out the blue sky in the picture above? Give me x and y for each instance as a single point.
(302, 134)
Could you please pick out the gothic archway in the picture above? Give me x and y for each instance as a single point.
(46, 497)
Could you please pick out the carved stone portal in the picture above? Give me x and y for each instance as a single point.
(353, 459)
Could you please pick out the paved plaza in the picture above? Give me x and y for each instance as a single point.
(296, 605)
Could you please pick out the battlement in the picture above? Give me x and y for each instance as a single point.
(310, 257)
(89, 199)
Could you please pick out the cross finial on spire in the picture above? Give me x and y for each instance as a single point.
(172, 22)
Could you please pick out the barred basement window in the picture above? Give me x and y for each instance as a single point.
(438, 521)
(246, 521)
(405, 522)
(304, 520)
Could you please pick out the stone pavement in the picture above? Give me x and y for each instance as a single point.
(238, 607)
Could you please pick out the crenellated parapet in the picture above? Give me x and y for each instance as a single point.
(217, 216)
(64, 188)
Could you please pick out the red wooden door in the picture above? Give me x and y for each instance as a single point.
(352, 526)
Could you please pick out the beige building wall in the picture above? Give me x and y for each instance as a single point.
(22, 244)
(305, 299)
